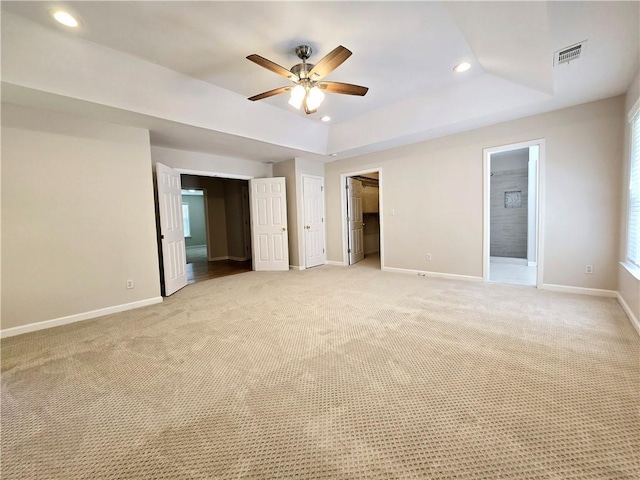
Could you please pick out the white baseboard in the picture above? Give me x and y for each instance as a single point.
(597, 292)
(333, 262)
(448, 276)
(78, 317)
(228, 257)
(627, 310)
(295, 267)
(195, 246)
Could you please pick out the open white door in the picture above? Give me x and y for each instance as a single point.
(313, 193)
(269, 224)
(171, 229)
(355, 221)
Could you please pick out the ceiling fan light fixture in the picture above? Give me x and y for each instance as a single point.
(314, 98)
(297, 96)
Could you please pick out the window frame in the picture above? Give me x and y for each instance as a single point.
(631, 257)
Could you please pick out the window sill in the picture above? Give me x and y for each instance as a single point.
(632, 269)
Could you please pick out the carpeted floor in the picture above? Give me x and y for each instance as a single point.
(333, 372)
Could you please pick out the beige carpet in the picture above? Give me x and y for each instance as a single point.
(347, 373)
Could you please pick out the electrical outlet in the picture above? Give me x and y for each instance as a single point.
(588, 269)
(129, 283)
(428, 256)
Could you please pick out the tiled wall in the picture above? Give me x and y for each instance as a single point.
(509, 225)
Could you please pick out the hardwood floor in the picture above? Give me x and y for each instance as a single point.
(204, 270)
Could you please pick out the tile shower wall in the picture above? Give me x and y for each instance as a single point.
(509, 219)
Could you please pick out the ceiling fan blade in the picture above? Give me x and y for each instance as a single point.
(344, 88)
(274, 67)
(270, 93)
(329, 63)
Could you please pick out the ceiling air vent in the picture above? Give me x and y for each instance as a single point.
(568, 54)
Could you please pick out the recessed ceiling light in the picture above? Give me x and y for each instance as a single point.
(326, 118)
(65, 18)
(462, 67)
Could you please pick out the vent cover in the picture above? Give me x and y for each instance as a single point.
(568, 54)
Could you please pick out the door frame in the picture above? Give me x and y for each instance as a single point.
(343, 203)
(540, 205)
(324, 223)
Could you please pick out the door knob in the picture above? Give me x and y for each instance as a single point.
(284, 229)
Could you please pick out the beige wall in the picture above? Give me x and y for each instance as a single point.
(204, 162)
(628, 284)
(78, 217)
(435, 188)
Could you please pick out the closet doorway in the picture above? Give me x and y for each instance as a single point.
(362, 219)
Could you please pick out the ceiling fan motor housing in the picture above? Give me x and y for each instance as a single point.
(301, 69)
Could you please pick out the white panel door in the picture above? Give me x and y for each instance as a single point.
(355, 220)
(313, 194)
(171, 229)
(269, 224)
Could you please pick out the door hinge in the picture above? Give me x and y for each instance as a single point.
(347, 187)
(322, 219)
(322, 189)
(348, 250)
(348, 219)
(323, 250)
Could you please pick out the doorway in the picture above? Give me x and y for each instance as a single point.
(512, 213)
(362, 220)
(194, 218)
(216, 226)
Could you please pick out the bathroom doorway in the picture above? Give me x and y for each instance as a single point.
(512, 212)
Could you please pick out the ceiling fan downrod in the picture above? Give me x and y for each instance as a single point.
(302, 69)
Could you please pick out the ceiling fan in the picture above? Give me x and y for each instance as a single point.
(308, 91)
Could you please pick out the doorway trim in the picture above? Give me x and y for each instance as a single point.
(540, 203)
(201, 173)
(343, 203)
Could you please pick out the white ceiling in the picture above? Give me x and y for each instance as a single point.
(403, 51)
